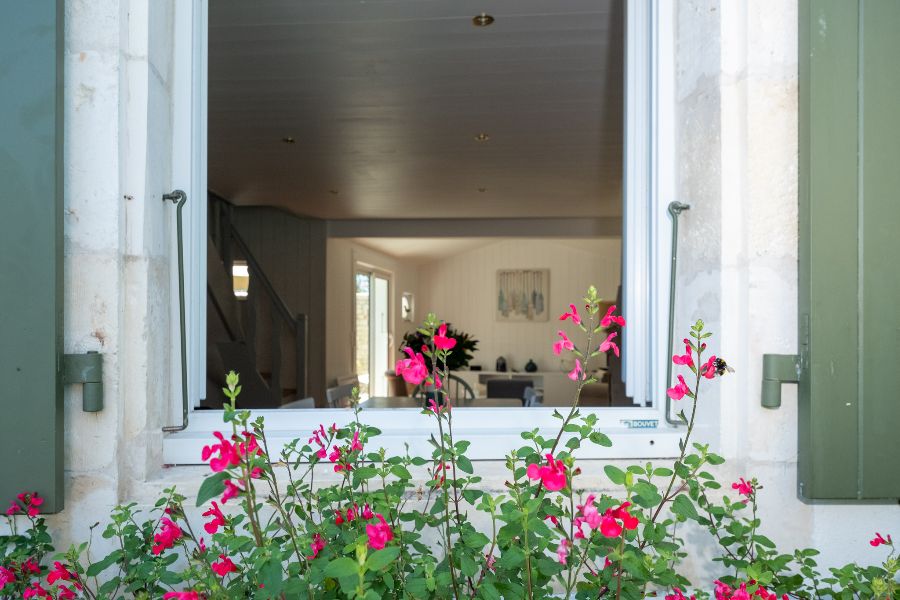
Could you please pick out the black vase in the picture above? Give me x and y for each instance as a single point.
(530, 366)
(501, 364)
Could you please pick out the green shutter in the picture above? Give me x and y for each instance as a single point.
(849, 395)
(31, 249)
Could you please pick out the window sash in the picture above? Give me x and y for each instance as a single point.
(648, 187)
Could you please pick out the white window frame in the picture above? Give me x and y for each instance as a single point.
(649, 179)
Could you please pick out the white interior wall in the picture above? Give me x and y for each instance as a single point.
(342, 256)
(462, 290)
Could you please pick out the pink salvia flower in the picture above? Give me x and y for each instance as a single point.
(412, 369)
(355, 445)
(552, 476)
(572, 314)
(708, 369)
(30, 566)
(168, 535)
(59, 572)
(441, 341)
(562, 551)
(228, 455)
(231, 491)
(64, 593)
(223, 566)
(489, 560)
(578, 372)
(686, 358)
(188, 595)
(13, 509)
(610, 318)
(678, 595)
(367, 512)
(878, 540)
(743, 488)
(563, 344)
(552, 519)
(218, 519)
(7, 576)
(679, 391)
(609, 344)
(379, 533)
(317, 545)
(36, 590)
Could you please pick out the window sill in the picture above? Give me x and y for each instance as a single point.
(494, 432)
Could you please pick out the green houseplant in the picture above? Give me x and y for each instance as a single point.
(457, 357)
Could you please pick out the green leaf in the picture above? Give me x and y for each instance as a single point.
(381, 558)
(341, 567)
(615, 474)
(99, 567)
(464, 464)
(682, 506)
(401, 472)
(212, 486)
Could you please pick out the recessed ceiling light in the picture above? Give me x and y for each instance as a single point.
(482, 20)
(288, 140)
(482, 137)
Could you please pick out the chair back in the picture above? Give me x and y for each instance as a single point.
(339, 396)
(454, 386)
(532, 397)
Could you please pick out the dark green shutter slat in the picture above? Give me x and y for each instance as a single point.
(849, 251)
(31, 249)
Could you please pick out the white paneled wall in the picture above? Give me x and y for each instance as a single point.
(462, 289)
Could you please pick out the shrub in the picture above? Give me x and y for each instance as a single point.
(367, 536)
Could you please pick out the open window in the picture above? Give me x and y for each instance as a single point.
(492, 170)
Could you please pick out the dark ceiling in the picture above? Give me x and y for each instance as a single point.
(384, 99)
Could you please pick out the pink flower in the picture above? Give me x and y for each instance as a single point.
(562, 550)
(188, 595)
(355, 445)
(201, 545)
(743, 488)
(231, 491)
(30, 566)
(677, 595)
(708, 369)
(880, 541)
(578, 372)
(338, 517)
(589, 512)
(379, 533)
(13, 509)
(679, 390)
(563, 344)
(610, 318)
(351, 512)
(7, 576)
(256, 472)
(609, 523)
(367, 513)
(686, 358)
(552, 519)
(412, 369)
(218, 519)
(335, 454)
(552, 476)
(36, 590)
(168, 535)
(572, 314)
(228, 455)
(441, 341)
(250, 446)
(317, 545)
(65, 593)
(224, 566)
(59, 572)
(489, 560)
(608, 344)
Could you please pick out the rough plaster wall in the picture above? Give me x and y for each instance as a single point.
(118, 139)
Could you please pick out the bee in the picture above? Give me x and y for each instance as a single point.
(722, 367)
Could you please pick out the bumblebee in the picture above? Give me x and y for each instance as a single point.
(722, 367)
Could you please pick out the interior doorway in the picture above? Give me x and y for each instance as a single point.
(373, 335)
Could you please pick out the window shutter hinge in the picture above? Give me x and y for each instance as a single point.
(778, 369)
(86, 369)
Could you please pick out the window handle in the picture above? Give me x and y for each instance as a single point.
(178, 197)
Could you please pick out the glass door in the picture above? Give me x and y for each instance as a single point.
(373, 340)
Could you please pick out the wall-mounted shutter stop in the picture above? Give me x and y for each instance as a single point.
(86, 369)
(778, 369)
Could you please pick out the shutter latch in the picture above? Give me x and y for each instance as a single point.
(778, 369)
(86, 369)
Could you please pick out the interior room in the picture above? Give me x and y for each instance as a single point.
(371, 164)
